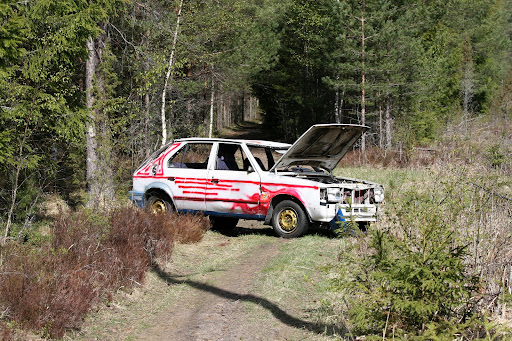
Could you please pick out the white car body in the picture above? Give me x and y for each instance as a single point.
(262, 175)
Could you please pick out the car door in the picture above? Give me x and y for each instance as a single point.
(186, 174)
(233, 186)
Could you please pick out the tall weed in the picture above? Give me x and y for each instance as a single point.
(49, 289)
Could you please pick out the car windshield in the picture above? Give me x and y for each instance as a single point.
(265, 156)
(155, 155)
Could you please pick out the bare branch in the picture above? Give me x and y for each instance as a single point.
(123, 36)
(491, 192)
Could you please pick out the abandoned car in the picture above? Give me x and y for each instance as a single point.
(290, 187)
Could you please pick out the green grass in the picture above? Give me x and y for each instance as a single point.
(298, 281)
(294, 271)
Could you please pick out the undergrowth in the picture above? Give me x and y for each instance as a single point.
(437, 266)
(88, 258)
(409, 277)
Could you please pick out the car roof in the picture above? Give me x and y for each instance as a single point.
(258, 143)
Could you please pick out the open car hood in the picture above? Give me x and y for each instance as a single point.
(322, 145)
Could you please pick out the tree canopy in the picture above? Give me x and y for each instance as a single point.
(405, 68)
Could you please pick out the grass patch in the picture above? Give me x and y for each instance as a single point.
(293, 272)
(297, 282)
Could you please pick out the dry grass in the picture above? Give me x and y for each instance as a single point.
(395, 158)
(49, 289)
(479, 144)
(469, 174)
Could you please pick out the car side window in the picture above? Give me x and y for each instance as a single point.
(193, 155)
(231, 157)
(265, 157)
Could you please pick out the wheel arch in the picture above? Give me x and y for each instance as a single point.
(279, 198)
(158, 189)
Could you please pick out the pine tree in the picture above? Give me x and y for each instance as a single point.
(292, 93)
(40, 99)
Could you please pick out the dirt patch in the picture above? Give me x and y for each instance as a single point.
(216, 308)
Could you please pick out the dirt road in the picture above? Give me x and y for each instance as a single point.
(247, 286)
(217, 312)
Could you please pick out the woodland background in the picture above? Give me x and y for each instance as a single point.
(88, 89)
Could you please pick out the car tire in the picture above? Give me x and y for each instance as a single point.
(289, 220)
(158, 205)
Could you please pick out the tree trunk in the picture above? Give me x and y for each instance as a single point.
(147, 107)
(14, 194)
(468, 83)
(168, 75)
(212, 97)
(363, 77)
(91, 142)
(468, 86)
(381, 132)
(388, 122)
(147, 149)
(99, 177)
(336, 105)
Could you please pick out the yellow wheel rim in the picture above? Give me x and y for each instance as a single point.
(158, 207)
(288, 219)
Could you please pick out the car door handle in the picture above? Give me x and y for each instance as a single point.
(214, 181)
(171, 179)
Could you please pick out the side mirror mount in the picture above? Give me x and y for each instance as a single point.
(250, 169)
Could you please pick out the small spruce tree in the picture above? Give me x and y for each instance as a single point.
(414, 278)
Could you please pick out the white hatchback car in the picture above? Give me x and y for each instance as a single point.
(288, 186)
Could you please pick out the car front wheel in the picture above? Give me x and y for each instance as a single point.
(289, 220)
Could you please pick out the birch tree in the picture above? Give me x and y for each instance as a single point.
(169, 72)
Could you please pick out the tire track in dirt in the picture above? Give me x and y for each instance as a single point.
(217, 311)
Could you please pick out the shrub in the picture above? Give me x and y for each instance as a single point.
(411, 278)
(495, 156)
(89, 257)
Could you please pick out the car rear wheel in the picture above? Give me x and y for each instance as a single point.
(157, 205)
(289, 220)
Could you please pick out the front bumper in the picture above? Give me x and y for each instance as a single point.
(359, 212)
(325, 213)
